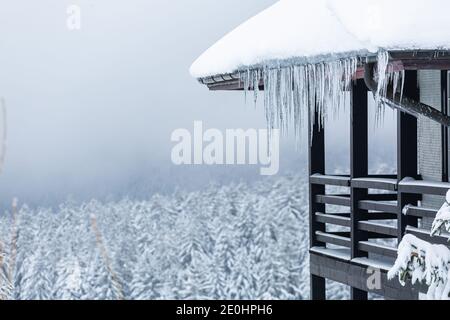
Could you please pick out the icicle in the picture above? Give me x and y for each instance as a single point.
(403, 86)
(256, 80)
(244, 79)
(395, 84)
(383, 79)
(385, 76)
(292, 92)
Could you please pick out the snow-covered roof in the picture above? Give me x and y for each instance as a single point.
(317, 30)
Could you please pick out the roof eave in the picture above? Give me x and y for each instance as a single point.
(402, 59)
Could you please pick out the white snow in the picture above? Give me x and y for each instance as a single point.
(425, 262)
(339, 253)
(317, 30)
(399, 24)
(442, 219)
(373, 263)
(288, 29)
(434, 184)
(421, 261)
(222, 242)
(377, 180)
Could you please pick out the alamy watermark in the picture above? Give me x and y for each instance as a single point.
(232, 147)
(374, 278)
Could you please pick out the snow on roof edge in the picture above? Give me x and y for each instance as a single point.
(287, 62)
(322, 58)
(274, 37)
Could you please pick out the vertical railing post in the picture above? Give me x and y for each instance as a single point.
(444, 109)
(316, 166)
(358, 169)
(407, 152)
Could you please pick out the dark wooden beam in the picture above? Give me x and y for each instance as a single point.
(379, 228)
(424, 187)
(402, 60)
(407, 132)
(318, 288)
(381, 206)
(358, 169)
(379, 184)
(339, 270)
(425, 235)
(379, 249)
(333, 219)
(358, 160)
(336, 200)
(316, 152)
(444, 110)
(421, 212)
(316, 166)
(407, 152)
(357, 294)
(335, 239)
(404, 103)
(341, 181)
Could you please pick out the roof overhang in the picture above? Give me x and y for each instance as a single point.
(399, 60)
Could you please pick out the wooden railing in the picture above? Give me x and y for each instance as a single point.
(377, 207)
(360, 231)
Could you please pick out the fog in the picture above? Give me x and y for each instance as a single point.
(90, 112)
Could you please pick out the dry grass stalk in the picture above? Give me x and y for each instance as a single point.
(3, 294)
(3, 283)
(117, 285)
(13, 253)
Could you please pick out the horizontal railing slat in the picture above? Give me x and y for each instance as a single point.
(425, 235)
(375, 248)
(375, 207)
(333, 219)
(424, 187)
(375, 183)
(378, 206)
(333, 239)
(377, 228)
(343, 181)
(338, 200)
(420, 212)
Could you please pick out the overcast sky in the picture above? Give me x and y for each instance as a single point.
(90, 112)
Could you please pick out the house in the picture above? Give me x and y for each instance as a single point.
(307, 56)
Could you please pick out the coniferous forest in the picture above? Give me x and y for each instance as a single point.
(241, 241)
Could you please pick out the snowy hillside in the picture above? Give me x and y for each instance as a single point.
(228, 242)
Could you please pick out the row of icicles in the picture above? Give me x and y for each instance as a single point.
(295, 92)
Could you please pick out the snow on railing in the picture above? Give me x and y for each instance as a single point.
(423, 262)
(427, 263)
(442, 220)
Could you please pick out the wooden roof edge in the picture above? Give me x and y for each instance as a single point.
(400, 59)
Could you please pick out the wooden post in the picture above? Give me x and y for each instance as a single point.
(444, 109)
(358, 169)
(407, 153)
(316, 166)
(318, 288)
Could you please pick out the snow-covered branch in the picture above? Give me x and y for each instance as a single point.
(442, 221)
(423, 262)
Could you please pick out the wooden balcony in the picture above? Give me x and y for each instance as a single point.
(375, 211)
(378, 224)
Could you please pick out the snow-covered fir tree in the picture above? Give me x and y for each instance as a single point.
(423, 262)
(241, 241)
